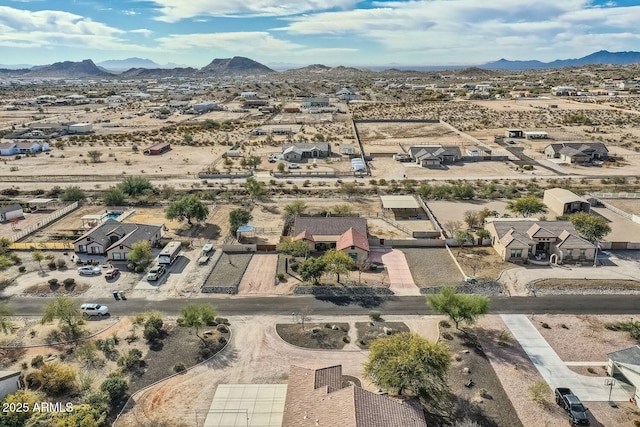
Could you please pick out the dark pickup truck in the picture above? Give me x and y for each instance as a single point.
(577, 412)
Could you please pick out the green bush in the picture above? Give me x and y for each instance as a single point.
(115, 386)
(150, 333)
(60, 263)
(69, 281)
(51, 265)
(281, 277)
(375, 315)
(222, 320)
(53, 282)
(37, 361)
(545, 325)
(179, 367)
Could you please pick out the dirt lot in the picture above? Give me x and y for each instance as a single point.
(439, 271)
(445, 210)
(631, 206)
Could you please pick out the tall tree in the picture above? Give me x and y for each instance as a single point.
(591, 227)
(472, 218)
(527, 206)
(238, 217)
(338, 262)
(187, 208)
(255, 188)
(312, 269)
(461, 237)
(196, 316)
(459, 307)
(294, 247)
(67, 311)
(409, 362)
(253, 161)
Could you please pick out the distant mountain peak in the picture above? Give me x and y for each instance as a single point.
(599, 57)
(69, 69)
(238, 65)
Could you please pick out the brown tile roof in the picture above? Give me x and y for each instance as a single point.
(305, 235)
(314, 397)
(352, 238)
(329, 226)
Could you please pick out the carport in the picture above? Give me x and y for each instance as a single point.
(401, 206)
(626, 364)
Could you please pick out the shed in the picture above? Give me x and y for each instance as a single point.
(9, 212)
(401, 206)
(513, 133)
(80, 128)
(565, 202)
(536, 135)
(9, 383)
(8, 148)
(158, 149)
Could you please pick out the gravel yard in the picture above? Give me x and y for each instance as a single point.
(228, 271)
(432, 267)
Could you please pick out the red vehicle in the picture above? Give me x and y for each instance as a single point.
(111, 273)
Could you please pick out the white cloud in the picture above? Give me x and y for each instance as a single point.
(470, 30)
(142, 31)
(54, 29)
(176, 10)
(256, 43)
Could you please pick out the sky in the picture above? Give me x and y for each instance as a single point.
(303, 32)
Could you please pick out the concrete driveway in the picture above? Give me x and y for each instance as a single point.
(622, 265)
(400, 279)
(556, 372)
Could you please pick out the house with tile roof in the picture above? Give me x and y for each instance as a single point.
(316, 397)
(114, 240)
(530, 240)
(348, 234)
(577, 152)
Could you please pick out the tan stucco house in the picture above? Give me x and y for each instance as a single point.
(538, 241)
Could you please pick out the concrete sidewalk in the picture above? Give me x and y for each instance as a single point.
(554, 371)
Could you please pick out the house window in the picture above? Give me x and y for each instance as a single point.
(516, 253)
(82, 248)
(569, 253)
(95, 250)
(117, 255)
(583, 252)
(126, 255)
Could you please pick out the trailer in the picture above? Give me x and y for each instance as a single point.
(169, 253)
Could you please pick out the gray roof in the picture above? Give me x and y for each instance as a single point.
(307, 146)
(573, 148)
(10, 208)
(127, 234)
(524, 232)
(629, 355)
(329, 226)
(419, 152)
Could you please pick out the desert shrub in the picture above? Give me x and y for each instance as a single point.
(57, 378)
(632, 327)
(545, 325)
(444, 324)
(53, 282)
(591, 370)
(222, 320)
(37, 361)
(131, 360)
(69, 281)
(150, 333)
(96, 398)
(294, 266)
(374, 315)
(222, 329)
(60, 263)
(281, 277)
(115, 386)
(179, 367)
(345, 339)
(539, 392)
(22, 269)
(51, 265)
(154, 321)
(504, 338)
(222, 340)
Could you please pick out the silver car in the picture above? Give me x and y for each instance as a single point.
(88, 270)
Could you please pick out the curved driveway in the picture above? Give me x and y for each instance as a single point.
(255, 354)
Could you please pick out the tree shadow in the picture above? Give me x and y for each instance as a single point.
(365, 301)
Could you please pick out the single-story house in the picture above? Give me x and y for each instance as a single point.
(305, 150)
(8, 148)
(114, 239)
(28, 147)
(347, 149)
(541, 241)
(247, 95)
(158, 149)
(434, 155)
(326, 232)
(565, 202)
(626, 362)
(9, 212)
(206, 106)
(577, 152)
(9, 383)
(316, 397)
(354, 244)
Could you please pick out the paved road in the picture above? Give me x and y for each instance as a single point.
(407, 305)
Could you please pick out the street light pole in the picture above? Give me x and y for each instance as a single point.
(595, 256)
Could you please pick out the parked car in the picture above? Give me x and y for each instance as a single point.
(155, 272)
(94, 310)
(578, 414)
(88, 270)
(294, 165)
(111, 273)
(207, 248)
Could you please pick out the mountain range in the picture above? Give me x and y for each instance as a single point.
(240, 66)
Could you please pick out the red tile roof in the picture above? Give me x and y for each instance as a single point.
(305, 235)
(352, 238)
